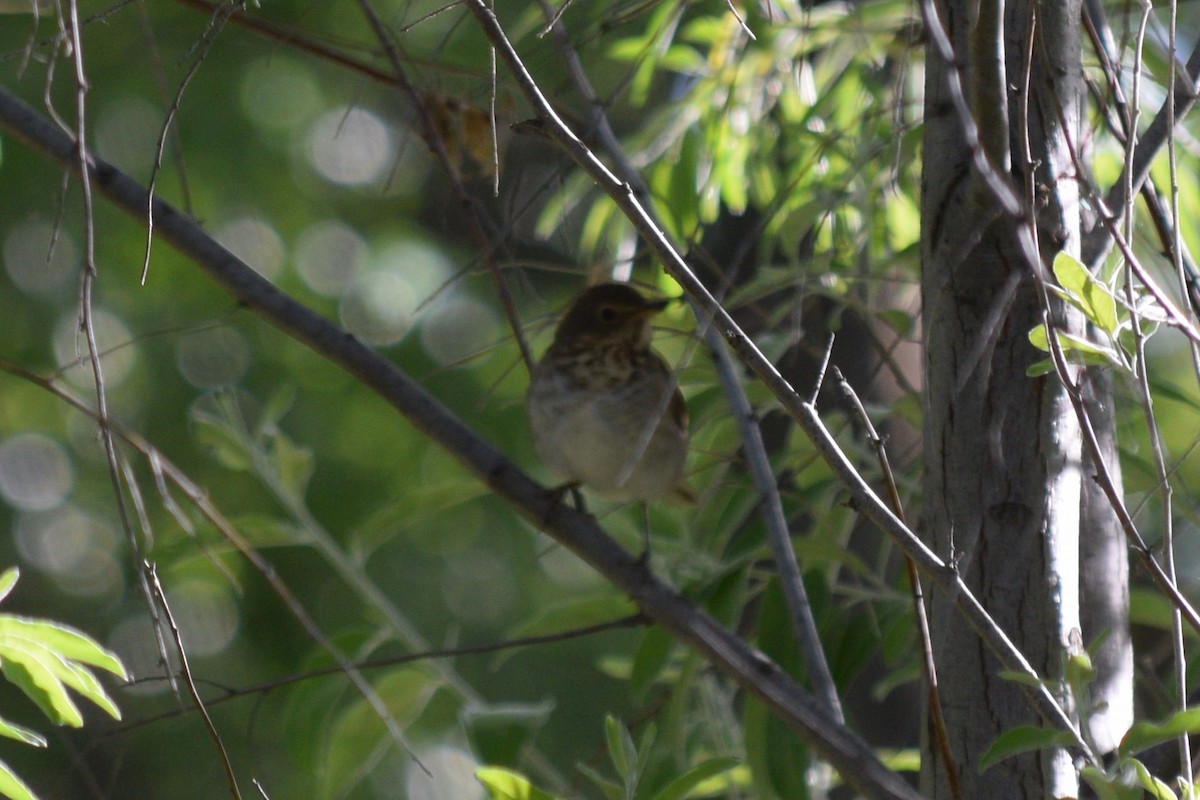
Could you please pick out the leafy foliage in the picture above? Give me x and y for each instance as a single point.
(782, 146)
(47, 661)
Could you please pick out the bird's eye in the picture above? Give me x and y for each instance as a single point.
(608, 313)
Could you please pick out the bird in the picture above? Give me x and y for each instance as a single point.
(604, 409)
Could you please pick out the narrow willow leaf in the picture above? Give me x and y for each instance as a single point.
(8, 580)
(37, 680)
(64, 640)
(1144, 735)
(22, 734)
(502, 784)
(13, 787)
(1023, 739)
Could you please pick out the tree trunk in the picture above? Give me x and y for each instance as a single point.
(1003, 471)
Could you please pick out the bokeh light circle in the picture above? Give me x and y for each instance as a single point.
(118, 354)
(279, 93)
(351, 147)
(378, 307)
(35, 472)
(37, 260)
(76, 548)
(457, 328)
(329, 255)
(254, 241)
(211, 358)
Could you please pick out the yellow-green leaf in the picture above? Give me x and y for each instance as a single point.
(503, 784)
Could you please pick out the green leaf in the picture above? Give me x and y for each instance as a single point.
(907, 759)
(621, 749)
(357, 730)
(778, 761)
(577, 612)
(1112, 787)
(1089, 295)
(8, 580)
(1021, 678)
(1039, 368)
(37, 679)
(13, 787)
(679, 788)
(1144, 735)
(1039, 339)
(1080, 672)
(228, 445)
(503, 784)
(1076, 348)
(1157, 789)
(22, 734)
(62, 639)
(1023, 739)
(1149, 607)
(1090, 352)
(650, 658)
(1070, 272)
(683, 59)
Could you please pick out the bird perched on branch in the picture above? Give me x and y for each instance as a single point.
(604, 409)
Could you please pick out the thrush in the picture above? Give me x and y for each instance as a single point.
(604, 409)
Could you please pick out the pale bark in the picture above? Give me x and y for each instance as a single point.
(1104, 593)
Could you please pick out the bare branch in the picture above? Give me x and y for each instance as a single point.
(161, 597)
(579, 532)
(805, 414)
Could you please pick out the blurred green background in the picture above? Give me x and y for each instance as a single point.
(788, 164)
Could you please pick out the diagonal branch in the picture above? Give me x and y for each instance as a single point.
(579, 532)
(804, 626)
(805, 413)
(1099, 241)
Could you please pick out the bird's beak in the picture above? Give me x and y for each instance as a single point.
(652, 307)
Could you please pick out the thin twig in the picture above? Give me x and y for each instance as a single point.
(387, 662)
(166, 472)
(1098, 242)
(803, 412)
(753, 448)
(928, 664)
(1160, 462)
(81, 163)
(791, 582)
(433, 138)
(188, 681)
(853, 758)
(215, 26)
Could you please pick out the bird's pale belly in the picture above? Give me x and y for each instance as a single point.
(621, 443)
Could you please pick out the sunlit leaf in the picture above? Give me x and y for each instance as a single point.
(13, 787)
(1144, 735)
(8, 580)
(1088, 294)
(34, 673)
(12, 730)
(503, 784)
